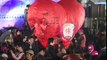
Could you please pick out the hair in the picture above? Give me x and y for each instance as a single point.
(42, 48)
(35, 37)
(18, 30)
(50, 40)
(19, 44)
(29, 37)
(62, 45)
(28, 5)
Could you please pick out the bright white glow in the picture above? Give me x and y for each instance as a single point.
(6, 23)
(11, 20)
(68, 30)
(100, 2)
(2, 2)
(17, 11)
(96, 53)
(13, 15)
(27, 3)
(90, 47)
(56, 0)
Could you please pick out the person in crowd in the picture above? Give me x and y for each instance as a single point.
(18, 54)
(72, 57)
(4, 48)
(18, 37)
(100, 40)
(51, 50)
(70, 49)
(4, 56)
(79, 43)
(103, 53)
(9, 40)
(100, 44)
(38, 46)
(61, 50)
(41, 55)
(1, 32)
(13, 31)
(29, 55)
(30, 44)
(25, 39)
(3, 36)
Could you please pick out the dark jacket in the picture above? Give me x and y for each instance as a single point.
(52, 52)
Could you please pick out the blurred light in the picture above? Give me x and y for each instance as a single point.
(100, 2)
(28, 2)
(17, 11)
(95, 53)
(56, 0)
(13, 15)
(91, 48)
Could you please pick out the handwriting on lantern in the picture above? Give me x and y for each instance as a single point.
(45, 21)
(54, 21)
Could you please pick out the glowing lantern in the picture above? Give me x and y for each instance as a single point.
(46, 17)
(75, 17)
(49, 19)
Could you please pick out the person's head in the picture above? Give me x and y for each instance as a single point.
(18, 32)
(60, 45)
(19, 47)
(35, 38)
(25, 38)
(11, 35)
(42, 51)
(30, 40)
(4, 56)
(69, 58)
(29, 54)
(9, 40)
(81, 31)
(51, 41)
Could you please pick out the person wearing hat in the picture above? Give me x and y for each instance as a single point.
(29, 55)
(4, 56)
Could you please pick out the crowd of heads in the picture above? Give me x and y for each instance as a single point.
(19, 46)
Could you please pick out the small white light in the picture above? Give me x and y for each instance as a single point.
(90, 47)
(96, 53)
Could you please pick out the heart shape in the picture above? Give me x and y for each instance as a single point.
(50, 19)
(75, 18)
(46, 17)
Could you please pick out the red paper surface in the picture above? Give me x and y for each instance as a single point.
(51, 19)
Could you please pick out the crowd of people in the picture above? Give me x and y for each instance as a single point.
(15, 45)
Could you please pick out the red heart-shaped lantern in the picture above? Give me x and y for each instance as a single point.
(75, 19)
(46, 17)
(50, 19)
